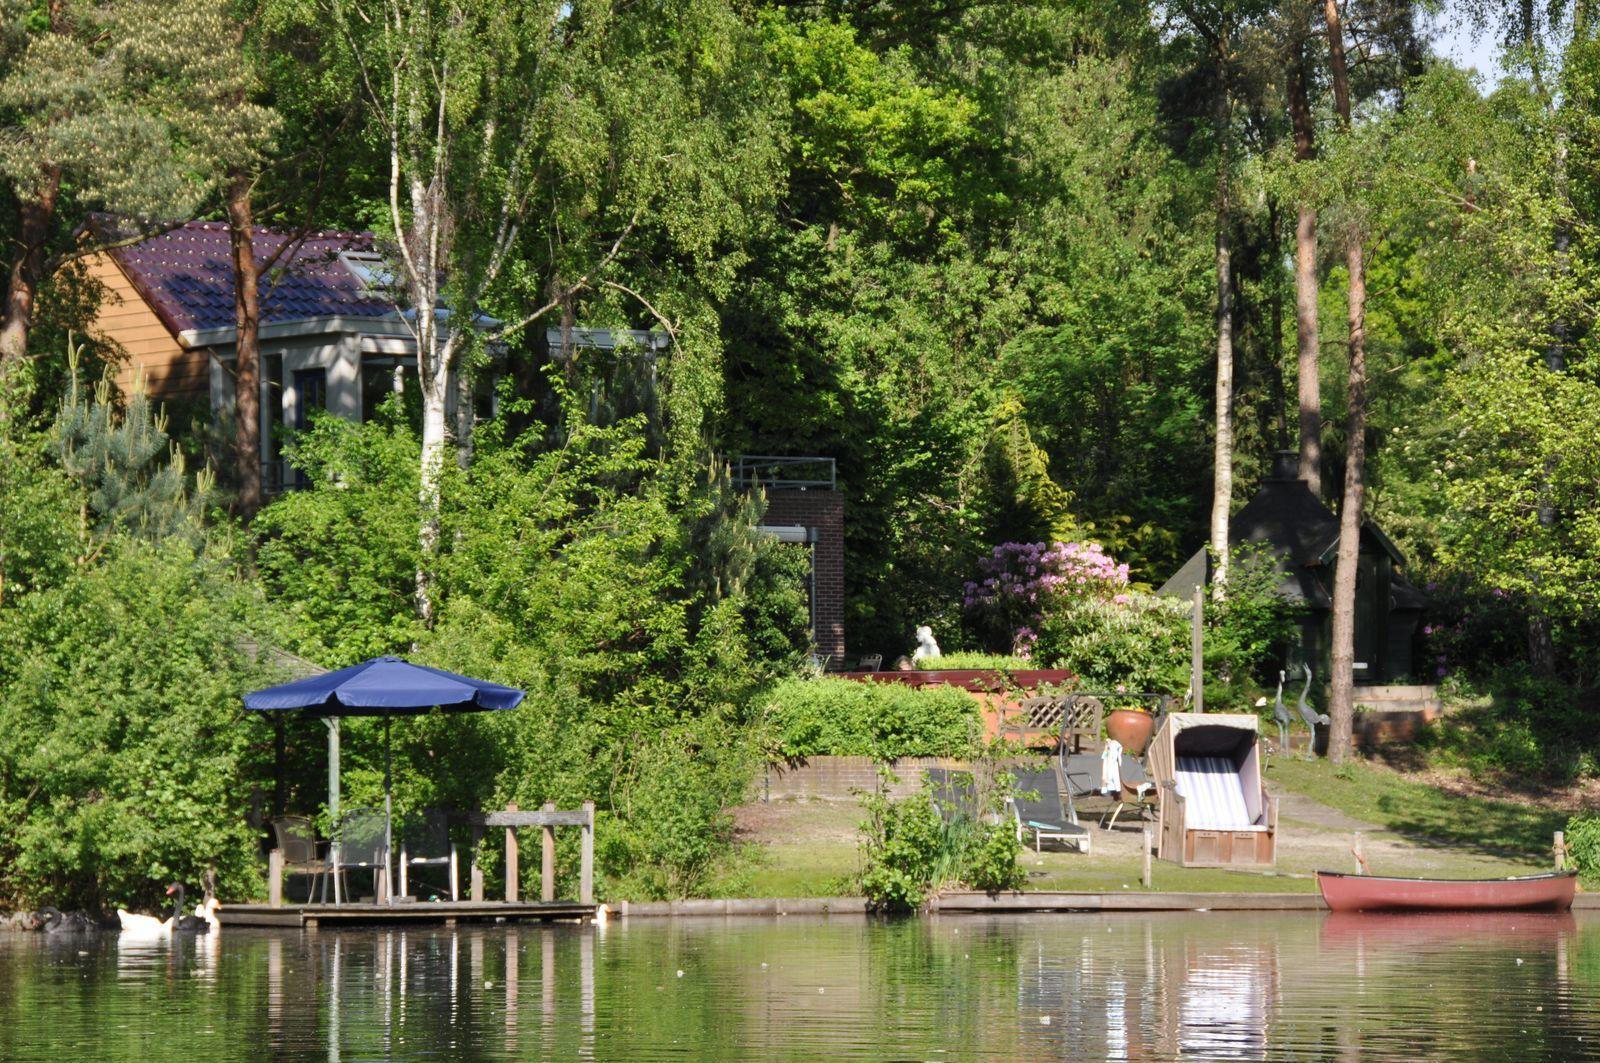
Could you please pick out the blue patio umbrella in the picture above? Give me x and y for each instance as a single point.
(382, 686)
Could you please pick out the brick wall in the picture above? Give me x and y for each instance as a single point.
(822, 511)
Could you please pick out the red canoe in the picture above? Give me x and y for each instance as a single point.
(1365, 893)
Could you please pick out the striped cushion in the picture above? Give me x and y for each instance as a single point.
(1213, 794)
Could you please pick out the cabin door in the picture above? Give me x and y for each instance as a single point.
(1369, 620)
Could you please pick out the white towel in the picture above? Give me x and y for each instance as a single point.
(1111, 767)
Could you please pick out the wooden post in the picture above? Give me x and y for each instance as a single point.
(275, 877)
(586, 867)
(1561, 850)
(1145, 874)
(547, 860)
(475, 870)
(1196, 651)
(511, 859)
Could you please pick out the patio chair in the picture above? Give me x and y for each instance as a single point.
(871, 662)
(427, 844)
(1037, 807)
(1082, 774)
(359, 844)
(296, 839)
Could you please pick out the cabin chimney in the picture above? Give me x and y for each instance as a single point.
(1285, 465)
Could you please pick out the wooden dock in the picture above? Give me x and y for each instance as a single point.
(440, 913)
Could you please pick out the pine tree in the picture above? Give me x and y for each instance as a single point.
(134, 478)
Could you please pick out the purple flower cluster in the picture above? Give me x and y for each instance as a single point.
(1018, 581)
(1033, 572)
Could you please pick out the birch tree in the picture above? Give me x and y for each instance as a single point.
(527, 145)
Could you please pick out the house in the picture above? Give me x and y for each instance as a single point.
(328, 339)
(1301, 535)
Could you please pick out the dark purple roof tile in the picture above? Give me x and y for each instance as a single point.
(186, 275)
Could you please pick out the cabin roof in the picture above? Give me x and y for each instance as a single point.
(1300, 532)
(186, 275)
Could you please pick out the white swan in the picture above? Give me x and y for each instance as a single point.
(134, 923)
(148, 926)
(208, 912)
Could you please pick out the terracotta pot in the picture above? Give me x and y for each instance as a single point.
(1132, 728)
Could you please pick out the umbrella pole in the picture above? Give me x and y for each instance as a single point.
(332, 724)
(388, 818)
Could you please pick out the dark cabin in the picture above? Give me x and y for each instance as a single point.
(1303, 535)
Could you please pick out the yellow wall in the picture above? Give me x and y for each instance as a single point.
(170, 372)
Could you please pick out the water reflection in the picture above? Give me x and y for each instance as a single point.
(1126, 987)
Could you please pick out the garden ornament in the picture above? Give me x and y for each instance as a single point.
(926, 646)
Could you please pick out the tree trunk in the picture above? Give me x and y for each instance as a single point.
(27, 269)
(1341, 700)
(1222, 477)
(433, 375)
(247, 328)
(1305, 290)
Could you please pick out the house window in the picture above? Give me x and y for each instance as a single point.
(310, 393)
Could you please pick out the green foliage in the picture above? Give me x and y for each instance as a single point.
(963, 660)
(1583, 845)
(1528, 728)
(909, 848)
(992, 860)
(841, 717)
(1252, 624)
(900, 849)
(124, 753)
(1142, 645)
(133, 479)
(343, 555)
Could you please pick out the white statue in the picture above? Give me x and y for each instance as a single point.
(926, 647)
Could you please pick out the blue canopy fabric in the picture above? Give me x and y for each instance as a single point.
(385, 686)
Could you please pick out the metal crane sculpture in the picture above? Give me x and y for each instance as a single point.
(1281, 715)
(1312, 719)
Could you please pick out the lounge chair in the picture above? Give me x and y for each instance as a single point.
(360, 844)
(296, 839)
(427, 844)
(1037, 807)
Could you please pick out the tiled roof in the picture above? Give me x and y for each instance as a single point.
(186, 275)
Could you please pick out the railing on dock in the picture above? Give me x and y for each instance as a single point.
(548, 819)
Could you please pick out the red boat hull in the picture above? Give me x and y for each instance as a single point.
(1368, 893)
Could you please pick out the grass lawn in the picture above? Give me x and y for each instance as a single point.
(809, 849)
(1420, 813)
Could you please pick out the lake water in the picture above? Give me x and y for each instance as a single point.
(1196, 985)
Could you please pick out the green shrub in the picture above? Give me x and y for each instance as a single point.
(1583, 845)
(962, 660)
(900, 848)
(992, 859)
(842, 717)
(1140, 644)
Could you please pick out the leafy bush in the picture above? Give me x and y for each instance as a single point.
(1142, 644)
(841, 717)
(1252, 622)
(1583, 845)
(900, 851)
(1532, 727)
(963, 660)
(126, 760)
(992, 859)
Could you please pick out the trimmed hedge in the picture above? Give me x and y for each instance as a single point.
(841, 717)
